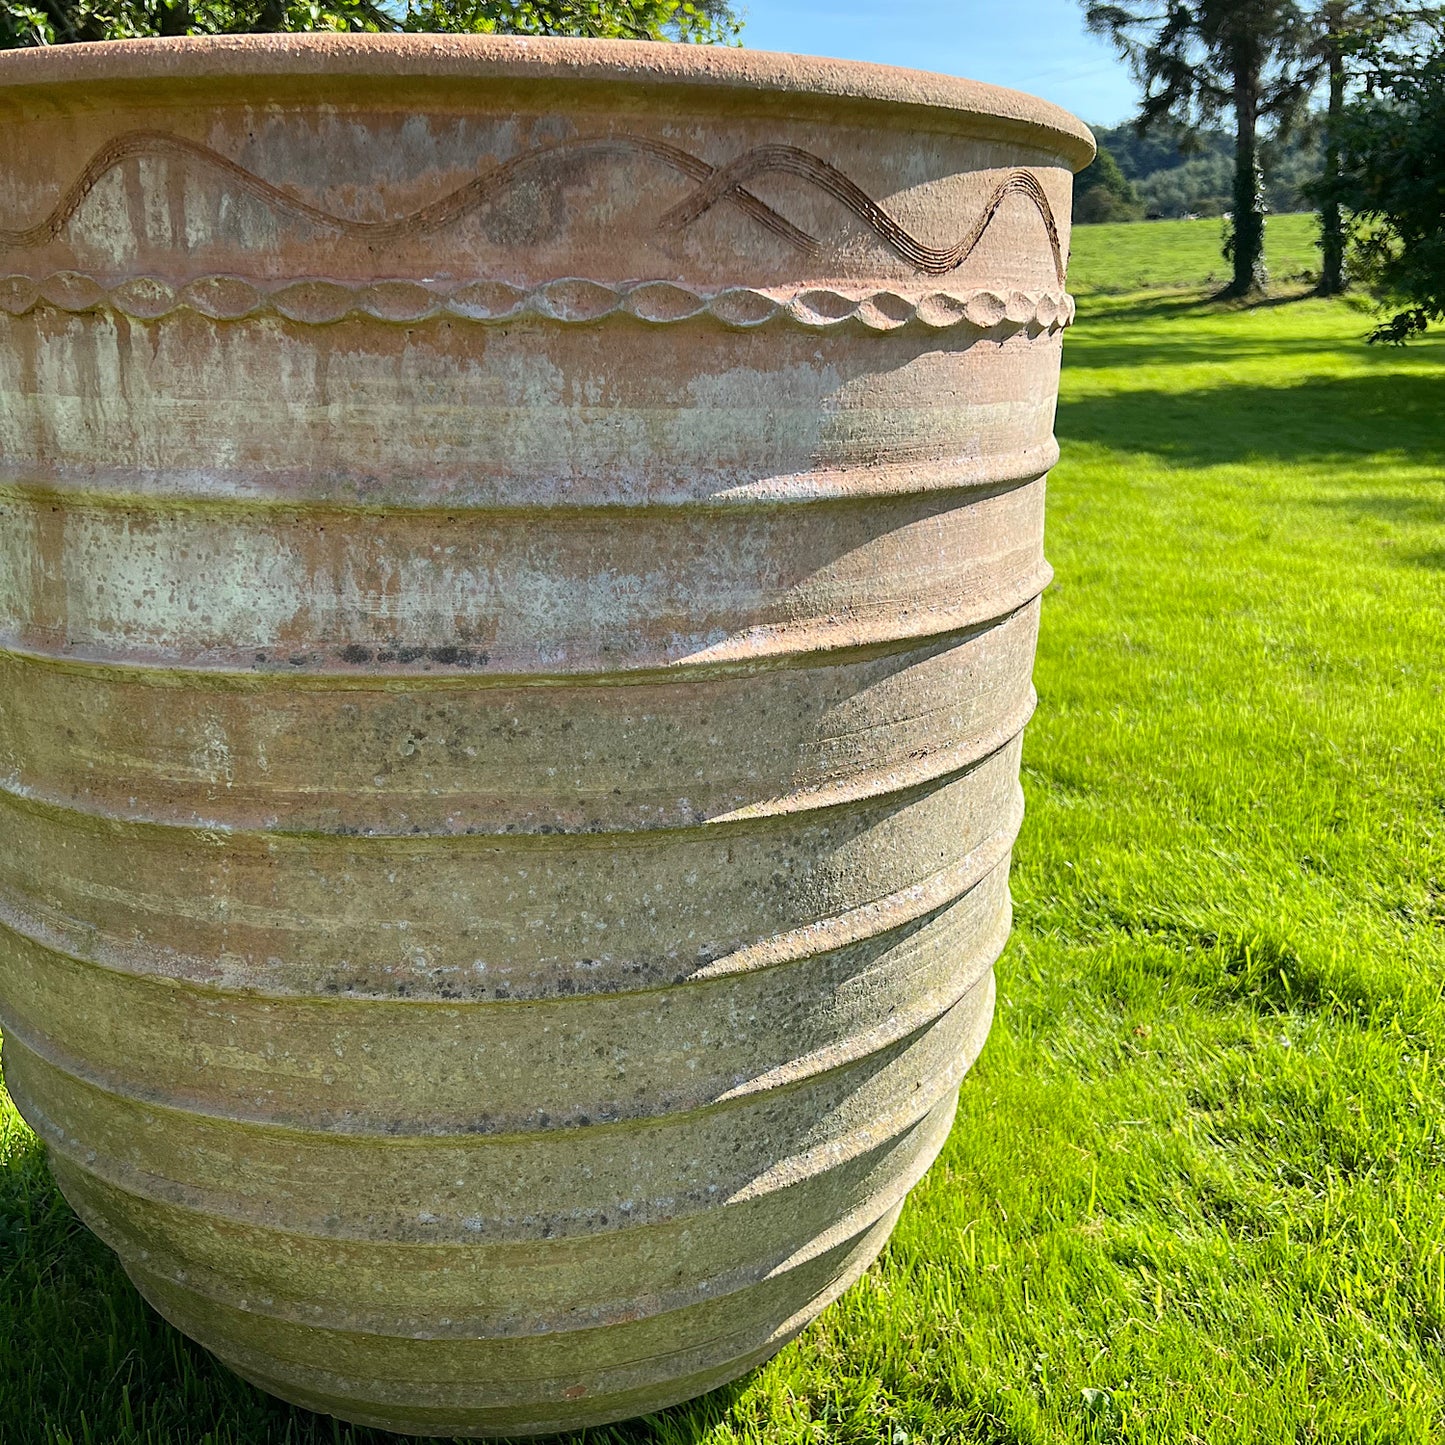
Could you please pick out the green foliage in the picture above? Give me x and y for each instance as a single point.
(1231, 233)
(1180, 173)
(1393, 177)
(1194, 1189)
(1199, 187)
(1102, 193)
(1161, 146)
(51, 22)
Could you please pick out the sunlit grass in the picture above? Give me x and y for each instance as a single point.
(1196, 1191)
(1140, 255)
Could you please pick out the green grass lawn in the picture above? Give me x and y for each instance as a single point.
(1113, 259)
(1196, 1192)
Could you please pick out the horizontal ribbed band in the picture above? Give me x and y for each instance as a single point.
(549, 1185)
(550, 1065)
(299, 917)
(270, 755)
(221, 489)
(511, 1290)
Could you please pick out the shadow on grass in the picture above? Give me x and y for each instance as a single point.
(85, 1361)
(1115, 349)
(1398, 510)
(1386, 418)
(1178, 305)
(1103, 335)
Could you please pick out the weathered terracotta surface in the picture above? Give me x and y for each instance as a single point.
(518, 580)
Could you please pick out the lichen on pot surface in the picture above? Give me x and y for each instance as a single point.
(519, 569)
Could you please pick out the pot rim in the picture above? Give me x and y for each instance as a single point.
(936, 101)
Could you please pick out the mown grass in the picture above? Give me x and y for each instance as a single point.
(1146, 255)
(1196, 1191)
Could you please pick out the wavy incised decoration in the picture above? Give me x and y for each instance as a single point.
(716, 185)
(729, 180)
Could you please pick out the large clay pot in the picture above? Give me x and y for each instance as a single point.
(518, 579)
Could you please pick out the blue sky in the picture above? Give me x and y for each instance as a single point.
(1035, 45)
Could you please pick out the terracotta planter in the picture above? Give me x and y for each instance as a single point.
(518, 578)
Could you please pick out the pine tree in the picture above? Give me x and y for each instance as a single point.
(1199, 59)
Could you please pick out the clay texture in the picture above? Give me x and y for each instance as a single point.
(519, 570)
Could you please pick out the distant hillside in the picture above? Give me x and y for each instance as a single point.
(1190, 173)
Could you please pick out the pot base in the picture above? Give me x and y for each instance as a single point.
(573, 1406)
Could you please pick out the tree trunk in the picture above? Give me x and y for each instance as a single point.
(1250, 275)
(1332, 224)
(175, 17)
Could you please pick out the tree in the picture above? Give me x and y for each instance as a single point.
(52, 22)
(1198, 59)
(1360, 41)
(1392, 175)
(1333, 42)
(1103, 193)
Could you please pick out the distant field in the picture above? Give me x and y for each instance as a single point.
(1142, 256)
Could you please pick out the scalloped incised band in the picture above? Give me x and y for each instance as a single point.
(569, 299)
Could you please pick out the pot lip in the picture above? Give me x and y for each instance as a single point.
(952, 101)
